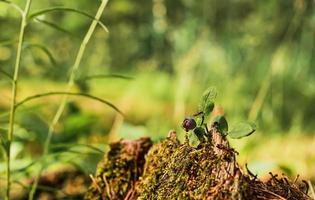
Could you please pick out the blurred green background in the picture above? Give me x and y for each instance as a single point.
(260, 55)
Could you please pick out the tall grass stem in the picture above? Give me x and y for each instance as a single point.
(14, 95)
(70, 84)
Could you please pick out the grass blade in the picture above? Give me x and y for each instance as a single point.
(72, 94)
(8, 42)
(71, 82)
(56, 146)
(53, 9)
(99, 76)
(44, 49)
(6, 74)
(54, 26)
(14, 93)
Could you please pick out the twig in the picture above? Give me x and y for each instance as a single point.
(108, 189)
(296, 178)
(130, 193)
(95, 183)
(274, 194)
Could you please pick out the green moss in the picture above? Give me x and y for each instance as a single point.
(179, 171)
(120, 169)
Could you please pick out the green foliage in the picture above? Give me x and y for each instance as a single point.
(219, 122)
(258, 54)
(200, 133)
(74, 124)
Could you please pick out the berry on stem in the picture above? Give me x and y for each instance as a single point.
(189, 124)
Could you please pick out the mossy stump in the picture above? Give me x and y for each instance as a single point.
(171, 170)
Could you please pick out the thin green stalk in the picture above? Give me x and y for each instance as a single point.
(70, 84)
(14, 94)
(36, 96)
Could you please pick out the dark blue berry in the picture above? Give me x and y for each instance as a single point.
(189, 124)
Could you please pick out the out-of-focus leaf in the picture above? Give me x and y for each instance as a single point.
(16, 149)
(242, 130)
(36, 127)
(75, 125)
(48, 10)
(15, 165)
(222, 124)
(4, 140)
(23, 134)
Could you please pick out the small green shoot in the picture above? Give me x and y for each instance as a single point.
(197, 124)
(207, 102)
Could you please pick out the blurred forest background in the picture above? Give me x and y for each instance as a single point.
(260, 55)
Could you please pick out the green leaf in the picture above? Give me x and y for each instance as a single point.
(222, 124)
(242, 130)
(200, 133)
(208, 108)
(48, 10)
(207, 101)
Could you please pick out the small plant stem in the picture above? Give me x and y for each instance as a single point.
(14, 95)
(186, 138)
(71, 80)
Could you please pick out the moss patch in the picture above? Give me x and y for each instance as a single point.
(171, 170)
